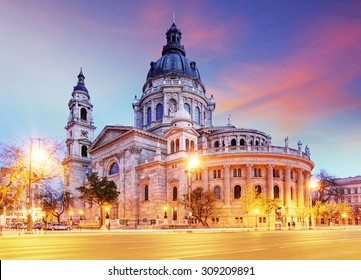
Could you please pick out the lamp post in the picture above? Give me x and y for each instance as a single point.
(29, 200)
(256, 213)
(344, 215)
(312, 186)
(193, 162)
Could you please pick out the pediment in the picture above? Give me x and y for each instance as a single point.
(108, 134)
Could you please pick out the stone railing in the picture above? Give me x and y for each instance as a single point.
(254, 149)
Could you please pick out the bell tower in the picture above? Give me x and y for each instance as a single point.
(80, 135)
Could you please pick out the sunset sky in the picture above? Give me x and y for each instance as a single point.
(288, 68)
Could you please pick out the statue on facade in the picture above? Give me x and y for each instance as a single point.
(307, 150)
(299, 144)
(286, 142)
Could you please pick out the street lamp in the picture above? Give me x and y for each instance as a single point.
(165, 208)
(38, 155)
(344, 215)
(192, 164)
(256, 213)
(313, 184)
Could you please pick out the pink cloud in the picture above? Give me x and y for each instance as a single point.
(306, 86)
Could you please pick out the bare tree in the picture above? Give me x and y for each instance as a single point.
(19, 171)
(327, 187)
(202, 204)
(56, 202)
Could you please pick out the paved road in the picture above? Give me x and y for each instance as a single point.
(337, 244)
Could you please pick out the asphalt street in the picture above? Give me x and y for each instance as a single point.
(335, 244)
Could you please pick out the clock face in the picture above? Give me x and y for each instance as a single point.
(84, 133)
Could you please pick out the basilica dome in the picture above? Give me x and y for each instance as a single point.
(173, 58)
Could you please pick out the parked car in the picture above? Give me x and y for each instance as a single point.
(58, 226)
(17, 225)
(39, 225)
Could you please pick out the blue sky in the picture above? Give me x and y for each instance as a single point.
(288, 68)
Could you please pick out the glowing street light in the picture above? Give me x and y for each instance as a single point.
(192, 164)
(256, 213)
(37, 156)
(313, 185)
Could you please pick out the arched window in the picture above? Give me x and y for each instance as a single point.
(114, 169)
(149, 115)
(291, 193)
(242, 143)
(237, 172)
(233, 142)
(177, 145)
(258, 190)
(172, 147)
(83, 114)
(187, 145)
(276, 191)
(234, 172)
(159, 112)
(146, 192)
(216, 144)
(214, 174)
(84, 151)
(237, 192)
(187, 107)
(197, 115)
(217, 192)
(175, 193)
(192, 146)
(219, 173)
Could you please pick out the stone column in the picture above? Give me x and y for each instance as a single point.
(270, 193)
(306, 190)
(205, 175)
(287, 188)
(300, 188)
(227, 186)
(249, 175)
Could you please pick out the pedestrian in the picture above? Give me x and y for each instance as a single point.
(289, 225)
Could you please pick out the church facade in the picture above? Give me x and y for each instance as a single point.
(173, 121)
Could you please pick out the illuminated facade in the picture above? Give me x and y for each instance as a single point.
(173, 118)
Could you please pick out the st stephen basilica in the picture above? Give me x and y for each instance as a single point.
(173, 121)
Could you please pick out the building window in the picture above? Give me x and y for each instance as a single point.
(276, 192)
(149, 115)
(198, 175)
(216, 144)
(217, 174)
(177, 145)
(175, 193)
(187, 107)
(276, 173)
(84, 151)
(146, 193)
(159, 112)
(187, 145)
(291, 193)
(241, 142)
(83, 114)
(233, 142)
(258, 190)
(237, 192)
(172, 147)
(237, 172)
(217, 192)
(257, 172)
(197, 115)
(114, 169)
(192, 146)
